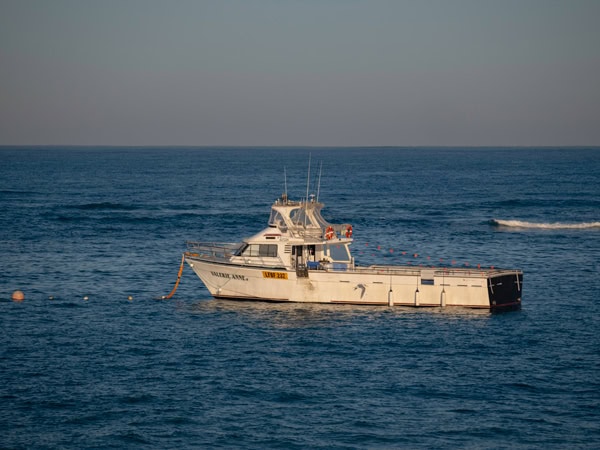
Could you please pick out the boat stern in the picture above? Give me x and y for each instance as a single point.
(505, 290)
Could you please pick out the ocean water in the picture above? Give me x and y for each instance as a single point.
(91, 358)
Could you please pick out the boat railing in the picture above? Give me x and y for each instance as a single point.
(229, 252)
(387, 270)
(419, 271)
(301, 232)
(217, 251)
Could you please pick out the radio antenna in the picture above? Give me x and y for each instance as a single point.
(319, 183)
(307, 187)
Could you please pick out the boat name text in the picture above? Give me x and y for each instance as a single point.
(229, 276)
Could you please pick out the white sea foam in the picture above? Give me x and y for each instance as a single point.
(546, 226)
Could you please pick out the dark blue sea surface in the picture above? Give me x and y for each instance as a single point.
(91, 358)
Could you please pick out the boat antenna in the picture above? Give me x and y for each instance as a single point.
(307, 187)
(319, 183)
(285, 192)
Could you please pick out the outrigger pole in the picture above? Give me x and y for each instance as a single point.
(319, 184)
(307, 188)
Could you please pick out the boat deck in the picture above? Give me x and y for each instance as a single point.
(223, 252)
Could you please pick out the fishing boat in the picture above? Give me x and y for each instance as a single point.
(301, 257)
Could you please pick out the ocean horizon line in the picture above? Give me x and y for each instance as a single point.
(250, 147)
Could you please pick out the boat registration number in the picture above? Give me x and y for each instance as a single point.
(275, 275)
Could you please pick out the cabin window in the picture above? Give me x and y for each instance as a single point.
(269, 250)
(338, 252)
(275, 219)
(261, 250)
(240, 250)
(300, 216)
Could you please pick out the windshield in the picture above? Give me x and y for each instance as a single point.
(300, 217)
(276, 218)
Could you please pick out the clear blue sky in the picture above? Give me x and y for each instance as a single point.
(300, 72)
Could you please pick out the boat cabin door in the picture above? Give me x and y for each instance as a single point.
(297, 257)
(301, 255)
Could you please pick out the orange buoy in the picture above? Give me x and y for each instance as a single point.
(18, 296)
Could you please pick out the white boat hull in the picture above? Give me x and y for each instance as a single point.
(375, 285)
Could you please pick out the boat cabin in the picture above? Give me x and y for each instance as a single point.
(298, 238)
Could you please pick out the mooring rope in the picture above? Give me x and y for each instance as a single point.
(166, 297)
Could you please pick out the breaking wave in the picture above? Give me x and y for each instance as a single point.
(545, 226)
